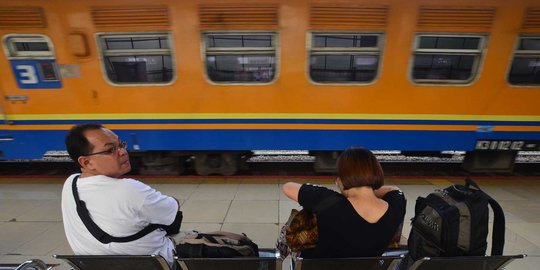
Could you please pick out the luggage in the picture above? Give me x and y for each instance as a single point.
(454, 222)
(218, 244)
(300, 232)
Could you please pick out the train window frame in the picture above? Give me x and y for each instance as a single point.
(273, 49)
(10, 48)
(476, 66)
(103, 53)
(523, 53)
(376, 50)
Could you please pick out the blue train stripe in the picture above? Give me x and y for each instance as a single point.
(33, 144)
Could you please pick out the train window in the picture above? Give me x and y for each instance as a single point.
(240, 57)
(28, 46)
(451, 59)
(525, 69)
(344, 57)
(137, 58)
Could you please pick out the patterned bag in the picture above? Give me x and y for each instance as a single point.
(396, 239)
(299, 233)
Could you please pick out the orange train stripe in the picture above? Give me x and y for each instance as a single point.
(516, 128)
(254, 126)
(308, 127)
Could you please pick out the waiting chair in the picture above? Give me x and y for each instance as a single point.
(464, 262)
(364, 263)
(115, 262)
(268, 260)
(33, 264)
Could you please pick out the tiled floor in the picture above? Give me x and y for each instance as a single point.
(31, 221)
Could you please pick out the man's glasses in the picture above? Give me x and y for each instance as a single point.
(112, 150)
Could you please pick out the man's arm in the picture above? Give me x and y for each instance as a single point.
(158, 208)
(174, 227)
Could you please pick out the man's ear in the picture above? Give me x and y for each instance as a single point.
(84, 161)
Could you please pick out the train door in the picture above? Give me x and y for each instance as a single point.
(32, 60)
(5, 134)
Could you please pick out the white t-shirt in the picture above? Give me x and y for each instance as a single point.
(120, 207)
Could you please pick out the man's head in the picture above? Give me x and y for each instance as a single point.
(97, 150)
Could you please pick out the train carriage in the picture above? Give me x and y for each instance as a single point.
(212, 80)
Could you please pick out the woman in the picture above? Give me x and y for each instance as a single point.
(366, 216)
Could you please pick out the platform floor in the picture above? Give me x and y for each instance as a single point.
(31, 219)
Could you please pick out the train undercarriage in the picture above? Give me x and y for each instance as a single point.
(230, 162)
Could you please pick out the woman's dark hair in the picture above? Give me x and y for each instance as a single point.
(76, 143)
(358, 167)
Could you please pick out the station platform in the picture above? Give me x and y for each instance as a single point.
(31, 220)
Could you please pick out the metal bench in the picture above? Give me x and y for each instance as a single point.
(268, 260)
(115, 262)
(364, 263)
(465, 262)
(33, 264)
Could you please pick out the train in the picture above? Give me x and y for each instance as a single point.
(211, 81)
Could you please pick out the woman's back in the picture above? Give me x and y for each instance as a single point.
(360, 224)
(343, 230)
(366, 204)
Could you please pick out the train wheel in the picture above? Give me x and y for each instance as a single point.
(325, 161)
(161, 163)
(489, 161)
(216, 163)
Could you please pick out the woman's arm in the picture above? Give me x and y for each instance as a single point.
(291, 189)
(383, 190)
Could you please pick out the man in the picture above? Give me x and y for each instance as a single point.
(120, 207)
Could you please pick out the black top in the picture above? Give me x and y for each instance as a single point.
(343, 232)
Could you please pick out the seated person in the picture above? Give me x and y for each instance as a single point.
(120, 207)
(366, 216)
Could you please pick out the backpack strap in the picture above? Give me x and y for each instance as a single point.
(469, 182)
(209, 237)
(106, 238)
(498, 227)
(497, 245)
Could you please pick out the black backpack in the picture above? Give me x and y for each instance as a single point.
(454, 222)
(218, 244)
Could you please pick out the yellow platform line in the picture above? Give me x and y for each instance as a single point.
(440, 182)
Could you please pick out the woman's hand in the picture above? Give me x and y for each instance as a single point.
(383, 190)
